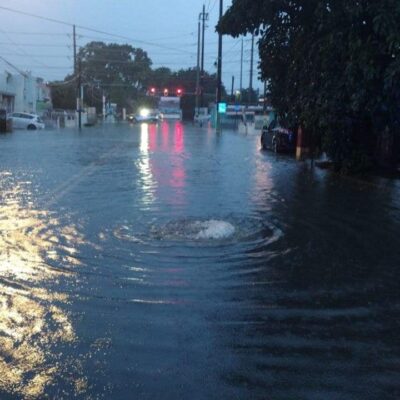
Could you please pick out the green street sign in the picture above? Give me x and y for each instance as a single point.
(222, 108)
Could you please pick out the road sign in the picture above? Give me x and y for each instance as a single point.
(221, 108)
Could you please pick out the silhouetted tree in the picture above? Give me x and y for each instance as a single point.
(333, 66)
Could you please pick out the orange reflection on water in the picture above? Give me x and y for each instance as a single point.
(32, 318)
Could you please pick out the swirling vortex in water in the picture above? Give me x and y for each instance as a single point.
(211, 231)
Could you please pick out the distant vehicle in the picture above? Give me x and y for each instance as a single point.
(170, 108)
(144, 115)
(26, 121)
(278, 139)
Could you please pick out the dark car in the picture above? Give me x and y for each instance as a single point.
(278, 139)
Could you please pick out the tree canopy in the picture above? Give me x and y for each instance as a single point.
(124, 75)
(332, 66)
(120, 70)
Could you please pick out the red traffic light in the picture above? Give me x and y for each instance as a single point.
(152, 90)
(179, 92)
(165, 92)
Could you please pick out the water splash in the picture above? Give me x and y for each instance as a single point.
(213, 229)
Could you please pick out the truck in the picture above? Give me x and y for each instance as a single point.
(170, 108)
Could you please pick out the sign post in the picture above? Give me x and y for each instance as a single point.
(221, 109)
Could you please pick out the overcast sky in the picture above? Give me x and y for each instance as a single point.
(169, 28)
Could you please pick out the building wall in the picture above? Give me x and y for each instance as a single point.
(24, 89)
(7, 92)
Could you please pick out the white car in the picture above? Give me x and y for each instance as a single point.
(146, 115)
(26, 121)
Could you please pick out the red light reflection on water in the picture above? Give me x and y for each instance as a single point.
(178, 172)
(179, 143)
(152, 137)
(165, 135)
(167, 139)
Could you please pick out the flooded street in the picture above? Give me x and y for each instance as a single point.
(166, 262)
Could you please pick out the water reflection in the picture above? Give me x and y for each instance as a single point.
(317, 319)
(215, 263)
(32, 318)
(144, 167)
(157, 143)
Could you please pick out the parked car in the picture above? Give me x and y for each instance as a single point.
(26, 121)
(278, 139)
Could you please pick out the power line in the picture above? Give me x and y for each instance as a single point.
(35, 45)
(16, 44)
(14, 67)
(57, 21)
(179, 48)
(36, 55)
(102, 38)
(64, 83)
(212, 8)
(39, 33)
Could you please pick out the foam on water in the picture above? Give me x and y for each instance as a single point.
(208, 231)
(214, 229)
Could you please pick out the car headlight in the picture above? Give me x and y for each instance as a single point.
(144, 112)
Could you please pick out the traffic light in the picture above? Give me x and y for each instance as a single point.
(165, 92)
(179, 92)
(153, 91)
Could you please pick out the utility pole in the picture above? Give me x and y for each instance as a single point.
(103, 98)
(78, 73)
(79, 100)
(198, 67)
(241, 71)
(251, 69)
(232, 87)
(219, 71)
(204, 18)
(74, 39)
(265, 97)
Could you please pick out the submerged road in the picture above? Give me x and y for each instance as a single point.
(165, 262)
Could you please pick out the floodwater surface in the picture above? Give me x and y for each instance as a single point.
(168, 262)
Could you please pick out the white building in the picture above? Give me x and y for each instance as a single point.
(22, 92)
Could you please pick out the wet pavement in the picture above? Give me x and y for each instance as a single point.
(165, 262)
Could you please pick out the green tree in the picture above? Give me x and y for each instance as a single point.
(160, 78)
(186, 78)
(124, 75)
(333, 67)
(64, 94)
(121, 71)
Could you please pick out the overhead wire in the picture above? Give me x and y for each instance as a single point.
(90, 29)
(39, 33)
(17, 45)
(212, 8)
(37, 45)
(109, 35)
